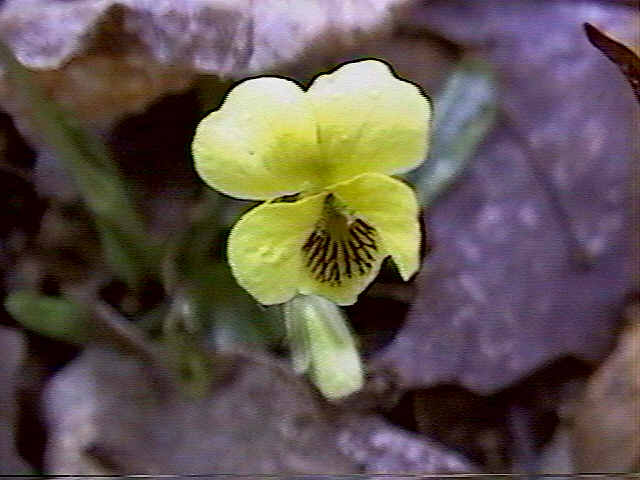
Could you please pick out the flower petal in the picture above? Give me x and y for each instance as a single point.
(261, 143)
(347, 291)
(265, 247)
(390, 206)
(342, 255)
(369, 120)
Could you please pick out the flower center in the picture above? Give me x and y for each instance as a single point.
(341, 246)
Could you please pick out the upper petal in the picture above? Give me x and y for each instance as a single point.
(390, 206)
(265, 247)
(369, 120)
(261, 143)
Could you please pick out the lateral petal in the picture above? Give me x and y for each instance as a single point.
(265, 247)
(391, 207)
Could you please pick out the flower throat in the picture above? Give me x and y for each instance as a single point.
(341, 246)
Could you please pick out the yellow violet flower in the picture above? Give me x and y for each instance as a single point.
(321, 159)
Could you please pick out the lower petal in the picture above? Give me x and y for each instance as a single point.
(389, 206)
(265, 247)
(342, 255)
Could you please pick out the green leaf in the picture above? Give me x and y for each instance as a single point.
(189, 252)
(463, 114)
(53, 317)
(106, 195)
(321, 343)
(206, 297)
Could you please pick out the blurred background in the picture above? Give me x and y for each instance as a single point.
(126, 345)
